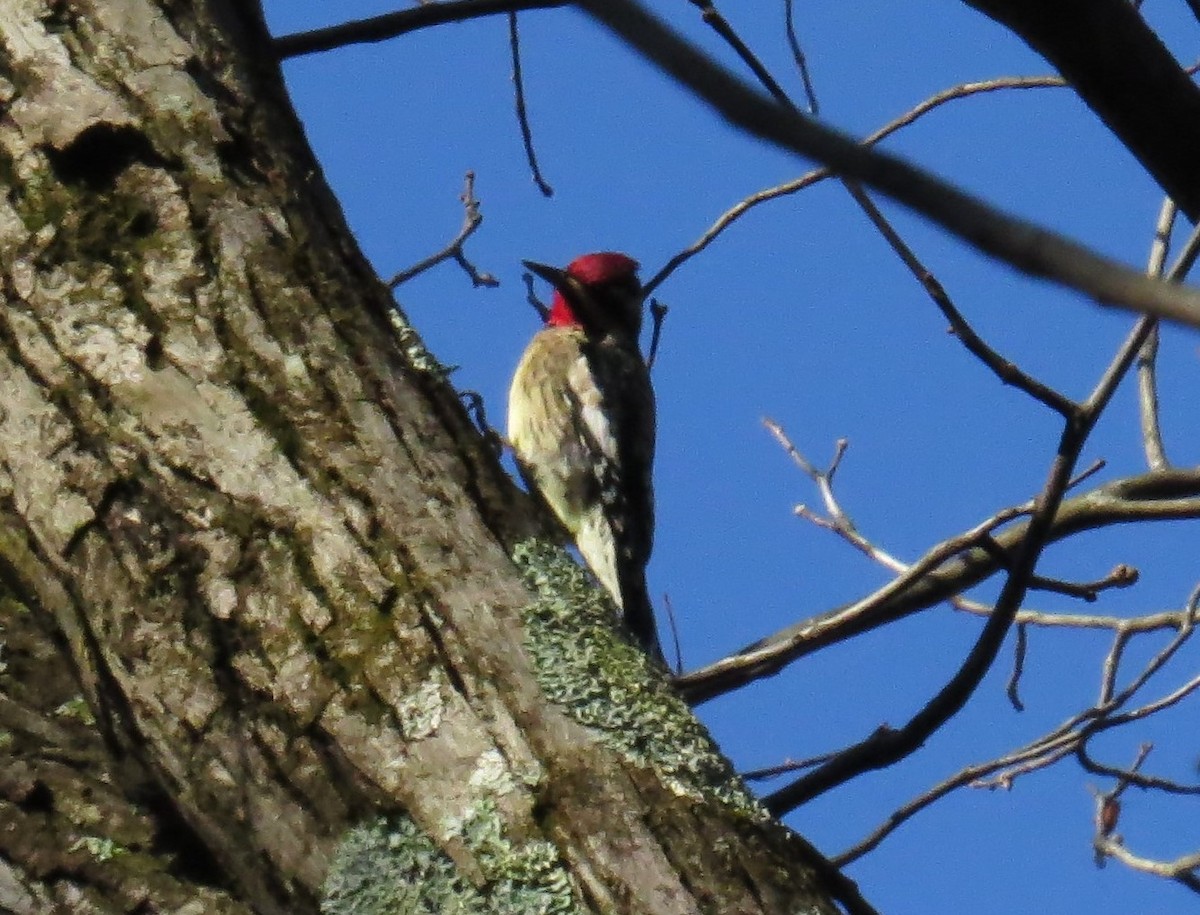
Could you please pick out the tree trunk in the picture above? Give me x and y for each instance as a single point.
(258, 604)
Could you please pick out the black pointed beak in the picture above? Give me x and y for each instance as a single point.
(557, 278)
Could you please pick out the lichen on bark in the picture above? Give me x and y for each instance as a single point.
(590, 668)
(388, 866)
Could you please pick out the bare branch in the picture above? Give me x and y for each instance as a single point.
(887, 746)
(788, 765)
(714, 20)
(906, 812)
(1122, 576)
(824, 481)
(1020, 244)
(1069, 738)
(1006, 370)
(1159, 496)
(1095, 467)
(1112, 663)
(1182, 870)
(1149, 622)
(391, 25)
(1134, 778)
(954, 93)
(839, 523)
(1125, 74)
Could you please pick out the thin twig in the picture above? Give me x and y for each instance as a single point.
(1182, 870)
(1122, 576)
(714, 20)
(886, 747)
(1135, 779)
(902, 814)
(472, 220)
(798, 56)
(658, 313)
(788, 765)
(1095, 467)
(1112, 664)
(514, 43)
(674, 632)
(807, 180)
(1110, 699)
(1108, 803)
(531, 297)
(1150, 622)
(742, 207)
(1152, 442)
(1167, 494)
(1020, 647)
(1002, 368)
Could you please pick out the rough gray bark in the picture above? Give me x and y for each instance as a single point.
(255, 573)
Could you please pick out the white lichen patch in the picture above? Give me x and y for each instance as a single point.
(416, 354)
(491, 776)
(113, 353)
(420, 712)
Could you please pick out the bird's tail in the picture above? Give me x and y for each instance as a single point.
(622, 573)
(639, 614)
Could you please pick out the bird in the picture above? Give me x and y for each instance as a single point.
(581, 421)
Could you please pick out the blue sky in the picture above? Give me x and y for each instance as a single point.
(800, 312)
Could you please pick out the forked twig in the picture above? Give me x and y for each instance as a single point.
(472, 220)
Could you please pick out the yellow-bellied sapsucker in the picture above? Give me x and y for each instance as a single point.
(581, 420)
